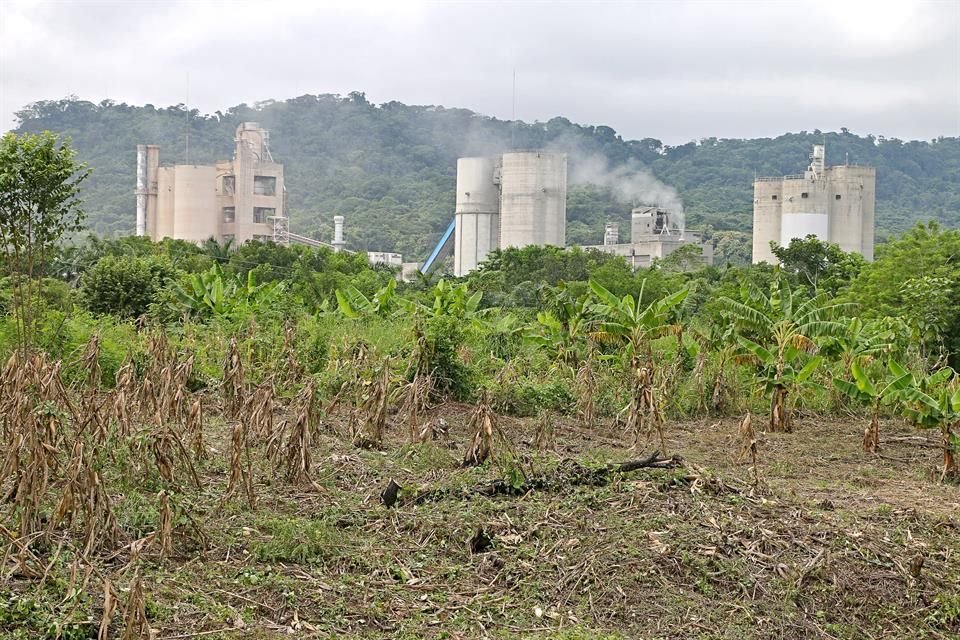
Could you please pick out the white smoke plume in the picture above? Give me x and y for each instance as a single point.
(630, 182)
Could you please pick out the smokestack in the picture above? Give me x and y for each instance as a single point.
(338, 242)
(141, 190)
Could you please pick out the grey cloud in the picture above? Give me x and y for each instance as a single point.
(675, 71)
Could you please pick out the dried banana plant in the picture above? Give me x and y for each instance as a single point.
(417, 392)
(416, 402)
(293, 370)
(483, 424)
(135, 624)
(241, 467)
(586, 387)
(543, 438)
(258, 410)
(109, 609)
(233, 382)
(91, 363)
(644, 415)
(749, 445)
(165, 529)
(298, 459)
(84, 494)
(167, 449)
(34, 460)
(369, 433)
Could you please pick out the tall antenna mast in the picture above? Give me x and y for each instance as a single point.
(513, 113)
(186, 150)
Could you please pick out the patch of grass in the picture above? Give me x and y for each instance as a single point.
(296, 540)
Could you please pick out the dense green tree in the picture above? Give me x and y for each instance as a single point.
(916, 277)
(40, 181)
(822, 266)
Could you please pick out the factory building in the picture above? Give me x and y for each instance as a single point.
(835, 204)
(512, 200)
(241, 199)
(655, 233)
(232, 200)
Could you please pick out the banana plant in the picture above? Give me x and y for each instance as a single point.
(874, 393)
(780, 335)
(629, 323)
(933, 402)
(353, 304)
(449, 300)
(213, 293)
(562, 329)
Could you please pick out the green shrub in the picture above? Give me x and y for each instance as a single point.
(125, 286)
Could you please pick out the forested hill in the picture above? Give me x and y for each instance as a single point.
(390, 168)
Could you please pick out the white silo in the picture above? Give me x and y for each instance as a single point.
(533, 199)
(477, 213)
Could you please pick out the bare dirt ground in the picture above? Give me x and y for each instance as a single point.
(832, 543)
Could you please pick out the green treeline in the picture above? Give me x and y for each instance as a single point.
(390, 168)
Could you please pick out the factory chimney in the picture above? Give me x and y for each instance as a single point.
(338, 243)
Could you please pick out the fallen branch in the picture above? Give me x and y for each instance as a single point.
(568, 474)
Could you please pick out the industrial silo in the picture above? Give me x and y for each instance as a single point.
(533, 199)
(767, 210)
(851, 197)
(477, 213)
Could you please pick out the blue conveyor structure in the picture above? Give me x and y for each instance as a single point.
(442, 249)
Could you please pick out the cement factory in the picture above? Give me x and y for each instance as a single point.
(230, 201)
(514, 199)
(835, 204)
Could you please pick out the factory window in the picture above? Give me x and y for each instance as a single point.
(262, 215)
(264, 185)
(774, 197)
(804, 195)
(229, 185)
(838, 196)
(229, 214)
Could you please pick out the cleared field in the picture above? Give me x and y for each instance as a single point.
(831, 543)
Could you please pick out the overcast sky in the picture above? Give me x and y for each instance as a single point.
(676, 71)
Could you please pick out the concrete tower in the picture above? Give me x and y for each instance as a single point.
(533, 199)
(835, 204)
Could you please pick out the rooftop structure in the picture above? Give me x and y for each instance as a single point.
(655, 233)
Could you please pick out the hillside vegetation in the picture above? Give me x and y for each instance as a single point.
(390, 168)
